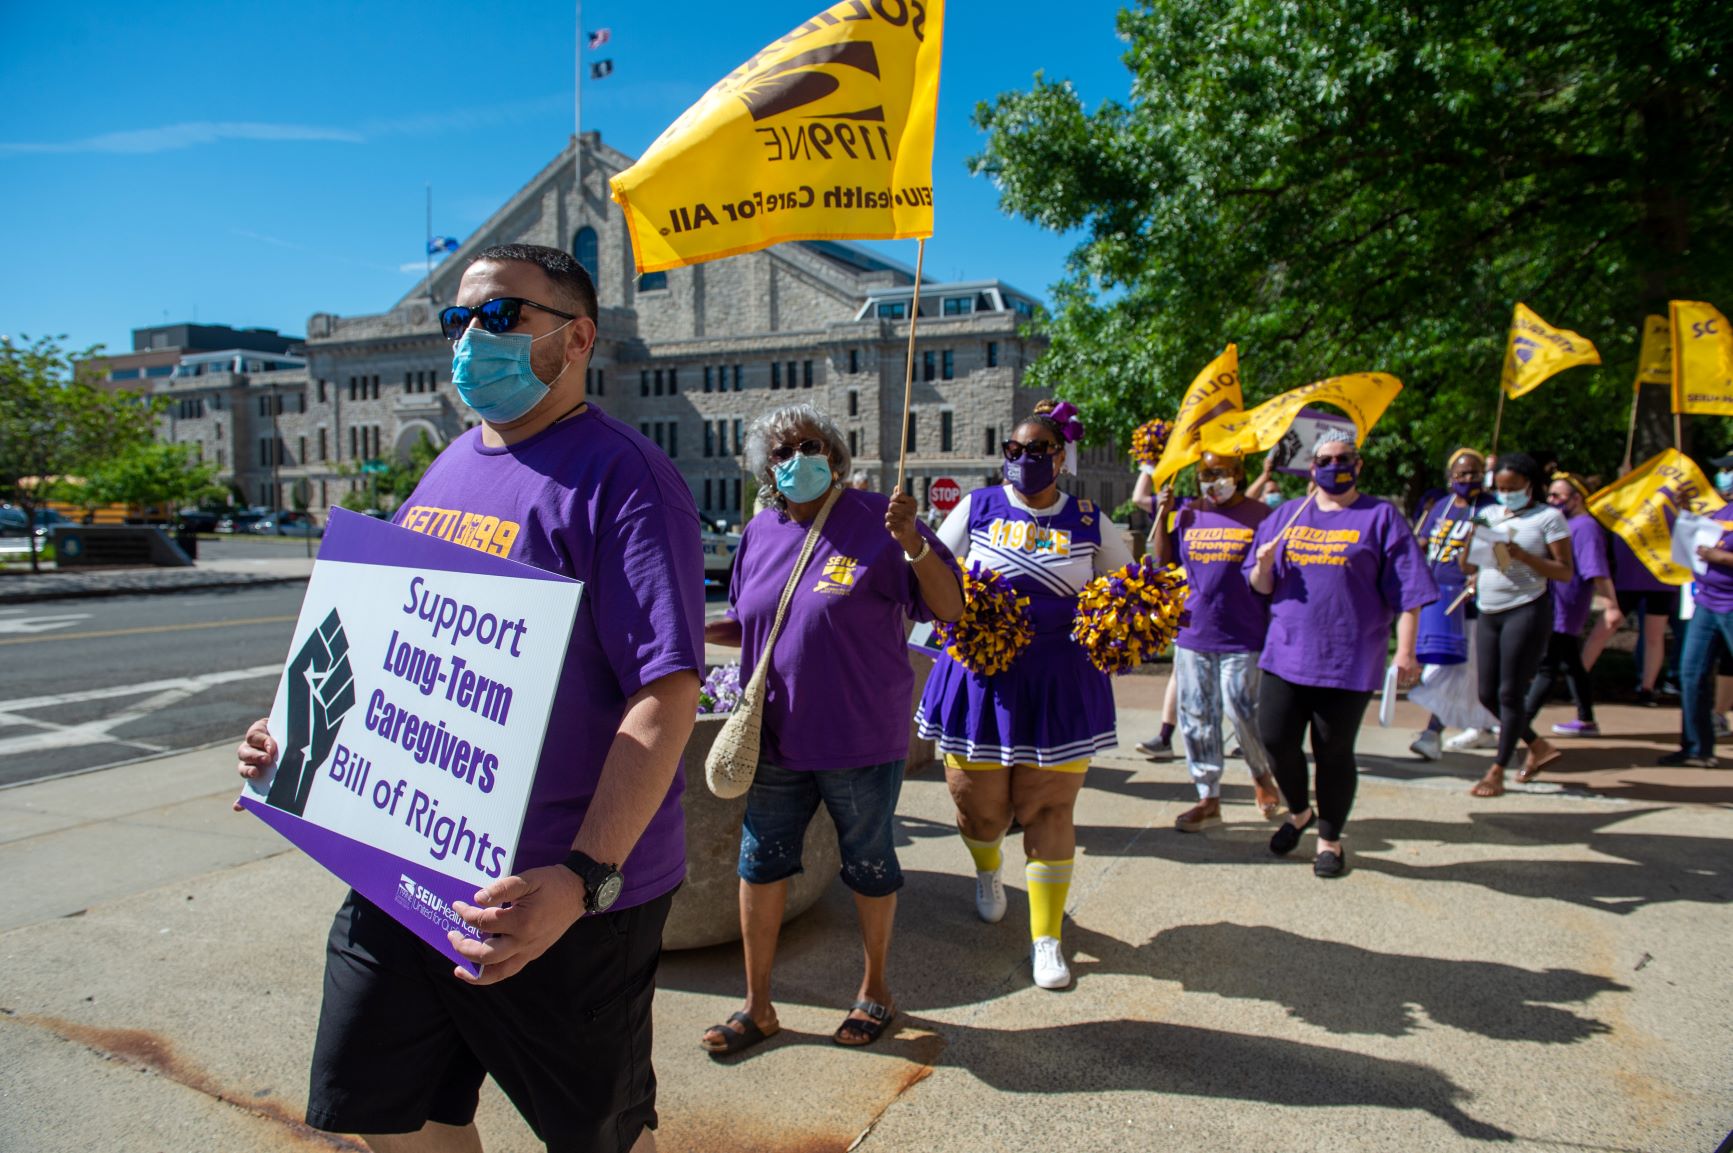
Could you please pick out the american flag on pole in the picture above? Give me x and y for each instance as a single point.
(600, 37)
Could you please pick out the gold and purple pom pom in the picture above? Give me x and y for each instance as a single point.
(994, 627)
(1128, 617)
(1149, 442)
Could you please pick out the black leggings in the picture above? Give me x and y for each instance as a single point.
(1510, 645)
(1285, 710)
(1564, 657)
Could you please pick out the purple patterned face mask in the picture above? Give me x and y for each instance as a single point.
(1030, 474)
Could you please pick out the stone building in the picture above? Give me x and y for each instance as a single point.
(689, 356)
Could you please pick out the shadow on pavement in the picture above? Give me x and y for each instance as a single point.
(1390, 990)
(1152, 1056)
(1643, 869)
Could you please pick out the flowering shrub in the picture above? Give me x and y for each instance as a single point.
(721, 690)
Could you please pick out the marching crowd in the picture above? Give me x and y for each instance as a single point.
(1291, 606)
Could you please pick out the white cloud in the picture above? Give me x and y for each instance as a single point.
(173, 137)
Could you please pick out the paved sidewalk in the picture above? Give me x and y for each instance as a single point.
(18, 588)
(1547, 970)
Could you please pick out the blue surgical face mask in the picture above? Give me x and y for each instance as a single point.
(1514, 501)
(491, 372)
(1273, 499)
(1723, 481)
(802, 478)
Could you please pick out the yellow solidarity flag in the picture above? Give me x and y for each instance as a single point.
(1642, 505)
(1702, 359)
(1655, 358)
(1362, 395)
(1215, 392)
(1537, 350)
(825, 134)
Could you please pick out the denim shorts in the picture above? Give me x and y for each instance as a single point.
(861, 802)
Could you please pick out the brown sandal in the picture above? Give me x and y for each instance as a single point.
(1491, 785)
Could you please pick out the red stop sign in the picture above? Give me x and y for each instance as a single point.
(945, 494)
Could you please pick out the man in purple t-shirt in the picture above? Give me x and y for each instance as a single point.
(560, 1016)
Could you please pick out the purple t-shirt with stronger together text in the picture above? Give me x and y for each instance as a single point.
(591, 499)
(1341, 577)
(1715, 586)
(1226, 615)
(839, 690)
(1572, 599)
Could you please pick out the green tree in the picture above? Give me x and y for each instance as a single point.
(152, 474)
(1347, 185)
(392, 487)
(54, 422)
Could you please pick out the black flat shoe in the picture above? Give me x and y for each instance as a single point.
(1288, 836)
(1330, 864)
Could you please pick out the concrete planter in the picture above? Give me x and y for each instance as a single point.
(707, 908)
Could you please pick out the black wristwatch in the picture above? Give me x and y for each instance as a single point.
(602, 883)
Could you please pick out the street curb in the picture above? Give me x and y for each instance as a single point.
(12, 598)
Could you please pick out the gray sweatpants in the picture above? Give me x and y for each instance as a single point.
(1211, 686)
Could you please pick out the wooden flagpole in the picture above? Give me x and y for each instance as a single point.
(1498, 421)
(909, 367)
(1631, 432)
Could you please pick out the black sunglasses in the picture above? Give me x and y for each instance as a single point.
(785, 452)
(1333, 461)
(498, 315)
(1013, 449)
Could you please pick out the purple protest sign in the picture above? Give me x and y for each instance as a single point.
(410, 716)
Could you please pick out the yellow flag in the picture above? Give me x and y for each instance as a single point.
(1536, 350)
(1215, 392)
(1642, 505)
(1702, 359)
(1655, 358)
(1362, 395)
(826, 133)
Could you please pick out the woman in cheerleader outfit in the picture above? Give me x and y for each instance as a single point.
(1017, 744)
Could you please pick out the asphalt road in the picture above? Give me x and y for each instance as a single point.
(87, 683)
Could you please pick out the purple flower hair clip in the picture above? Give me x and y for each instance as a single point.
(1064, 414)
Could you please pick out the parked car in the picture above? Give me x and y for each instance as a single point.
(197, 520)
(241, 520)
(287, 523)
(719, 550)
(47, 518)
(13, 522)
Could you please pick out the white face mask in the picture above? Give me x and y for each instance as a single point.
(1219, 491)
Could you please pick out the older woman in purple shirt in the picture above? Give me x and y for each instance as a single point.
(837, 696)
(1338, 567)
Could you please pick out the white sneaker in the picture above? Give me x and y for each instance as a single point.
(1427, 746)
(990, 897)
(1051, 972)
(1472, 739)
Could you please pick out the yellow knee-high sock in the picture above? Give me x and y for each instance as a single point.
(987, 856)
(1049, 884)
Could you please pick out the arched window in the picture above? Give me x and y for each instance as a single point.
(584, 248)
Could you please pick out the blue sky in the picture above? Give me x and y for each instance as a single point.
(252, 164)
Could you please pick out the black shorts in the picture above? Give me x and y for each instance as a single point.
(402, 1041)
(1660, 603)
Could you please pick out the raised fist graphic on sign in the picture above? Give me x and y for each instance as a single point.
(321, 691)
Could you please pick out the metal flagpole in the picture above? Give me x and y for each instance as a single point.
(431, 303)
(909, 367)
(577, 117)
